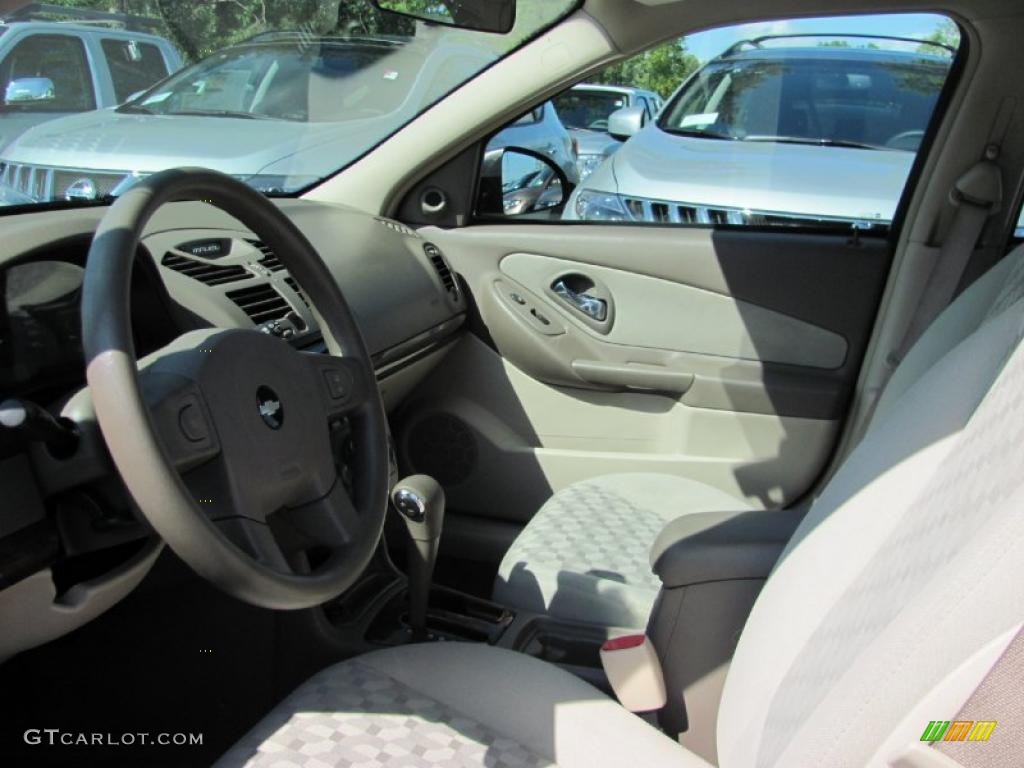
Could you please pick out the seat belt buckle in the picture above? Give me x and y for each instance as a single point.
(632, 667)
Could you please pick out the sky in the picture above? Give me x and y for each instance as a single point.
(707, 45)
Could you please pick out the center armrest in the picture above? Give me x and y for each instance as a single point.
(719, 546)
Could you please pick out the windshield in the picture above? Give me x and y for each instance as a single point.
(876, 103)
(283, 81)
(588, 109)
(278, 93)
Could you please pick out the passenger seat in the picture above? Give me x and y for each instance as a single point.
(585, 555)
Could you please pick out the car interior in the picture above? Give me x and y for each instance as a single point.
(373, 474)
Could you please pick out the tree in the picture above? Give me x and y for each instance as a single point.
(660, 69)
(946, 34)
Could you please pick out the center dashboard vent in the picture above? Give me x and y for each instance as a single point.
(203, 271)
(444, 272)
(269, 260)
(294, 285)
(262, 303)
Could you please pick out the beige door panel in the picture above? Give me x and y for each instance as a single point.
(726, 357)
(752, 322)
(652, 312)
(530, 439)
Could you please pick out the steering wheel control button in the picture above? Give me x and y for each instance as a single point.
(271, 410)
(410, 505)
(192, 422)
(339, 383)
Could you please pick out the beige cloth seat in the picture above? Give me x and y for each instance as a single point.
(585, 555)
(897, 595)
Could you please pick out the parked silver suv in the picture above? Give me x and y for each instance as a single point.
(770, 134)
(266, 111)
(50, 69)
(585, 110)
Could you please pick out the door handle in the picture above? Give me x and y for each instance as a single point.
(591, 306)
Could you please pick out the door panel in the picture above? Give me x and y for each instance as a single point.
(726, 356)
(530, 439)
(654, 313)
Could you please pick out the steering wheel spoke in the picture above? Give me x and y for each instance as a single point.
(331, 521)
(181, 416)
(343, 383)
(257, 540)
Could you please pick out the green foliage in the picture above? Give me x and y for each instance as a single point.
(946, 33)
(847, 44)
(660, 69)
(200, 27)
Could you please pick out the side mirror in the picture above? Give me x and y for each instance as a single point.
(26, 90)
(515, 181)
(626, 122)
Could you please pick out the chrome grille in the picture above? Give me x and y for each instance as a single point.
(669, 212)
(43, 184)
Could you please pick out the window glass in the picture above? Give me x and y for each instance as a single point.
(133, 66)
(47, 73)
(797, 122)
(873, 103)
(588, 109)
(281, 95)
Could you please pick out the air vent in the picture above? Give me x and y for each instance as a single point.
(290, 281)
(204, 272)
(443, 270)
(269, 260)
(261, 303)
(398, 227)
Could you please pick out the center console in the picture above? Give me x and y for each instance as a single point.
(386, 608)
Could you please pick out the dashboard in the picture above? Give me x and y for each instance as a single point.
(196, 268)
(68, 527)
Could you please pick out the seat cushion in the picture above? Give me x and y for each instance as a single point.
(585, 556)
(451, 704)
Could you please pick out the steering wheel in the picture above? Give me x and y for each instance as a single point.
(907, 140)
(223, 437)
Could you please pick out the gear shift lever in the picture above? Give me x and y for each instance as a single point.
(420, 499)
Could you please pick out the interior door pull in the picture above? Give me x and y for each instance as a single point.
(657, 378)
(591, 306)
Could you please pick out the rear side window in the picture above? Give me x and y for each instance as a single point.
(47, 73)
(133, 66)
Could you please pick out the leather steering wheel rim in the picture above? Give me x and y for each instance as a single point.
(142, 458)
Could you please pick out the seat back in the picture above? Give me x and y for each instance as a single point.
(905, 582)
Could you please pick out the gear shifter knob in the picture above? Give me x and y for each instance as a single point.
(420, 500)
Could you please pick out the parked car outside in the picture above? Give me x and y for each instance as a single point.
(49, 69)
(541, 130)
(266, 111)
(585, 109)
(773, 135)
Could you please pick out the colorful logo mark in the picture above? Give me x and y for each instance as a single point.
(958, 730)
